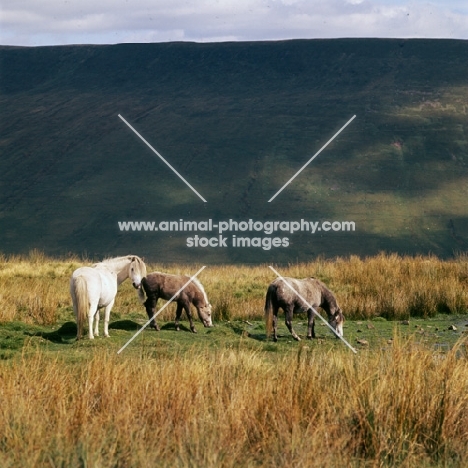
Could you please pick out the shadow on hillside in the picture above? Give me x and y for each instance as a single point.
(65, 334)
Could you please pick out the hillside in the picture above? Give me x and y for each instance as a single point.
(237, 120)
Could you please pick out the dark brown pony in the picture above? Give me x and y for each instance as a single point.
(162, 285)
(314, 292)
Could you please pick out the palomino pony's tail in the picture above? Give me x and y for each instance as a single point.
(269, 311)
(80, 291)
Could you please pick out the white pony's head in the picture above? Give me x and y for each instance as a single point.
(136, 271)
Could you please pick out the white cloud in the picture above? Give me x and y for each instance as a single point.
(29, 22)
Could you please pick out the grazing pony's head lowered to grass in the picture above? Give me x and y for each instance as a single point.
(162, 285)
(301, 295)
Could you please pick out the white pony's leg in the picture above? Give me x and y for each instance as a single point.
(93, 310)
(96, 323)
(107, 318)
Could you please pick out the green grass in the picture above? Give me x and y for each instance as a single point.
(432, 333)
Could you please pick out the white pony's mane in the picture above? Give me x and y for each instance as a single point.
(118, 259)
(114, 260)
(121, 266)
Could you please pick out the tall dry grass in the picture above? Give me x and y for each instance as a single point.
(395, 286)
(404, 406)
(34, 289)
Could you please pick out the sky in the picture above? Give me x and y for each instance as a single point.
(59, 22)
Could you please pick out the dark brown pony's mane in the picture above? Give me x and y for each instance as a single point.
(330, 299)
(305, 294)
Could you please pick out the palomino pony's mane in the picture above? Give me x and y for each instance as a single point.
(142, 297)
(202, 289)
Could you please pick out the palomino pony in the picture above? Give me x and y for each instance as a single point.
(314, 292)
(93, 288)
(162, 285)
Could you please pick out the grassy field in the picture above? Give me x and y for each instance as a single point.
(228, 396)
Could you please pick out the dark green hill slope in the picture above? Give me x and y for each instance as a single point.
(237, 120)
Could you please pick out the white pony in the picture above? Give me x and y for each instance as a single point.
(93, 288)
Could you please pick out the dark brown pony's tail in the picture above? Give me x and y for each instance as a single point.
(269, 311)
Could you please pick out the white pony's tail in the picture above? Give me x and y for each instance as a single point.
(80, 291)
